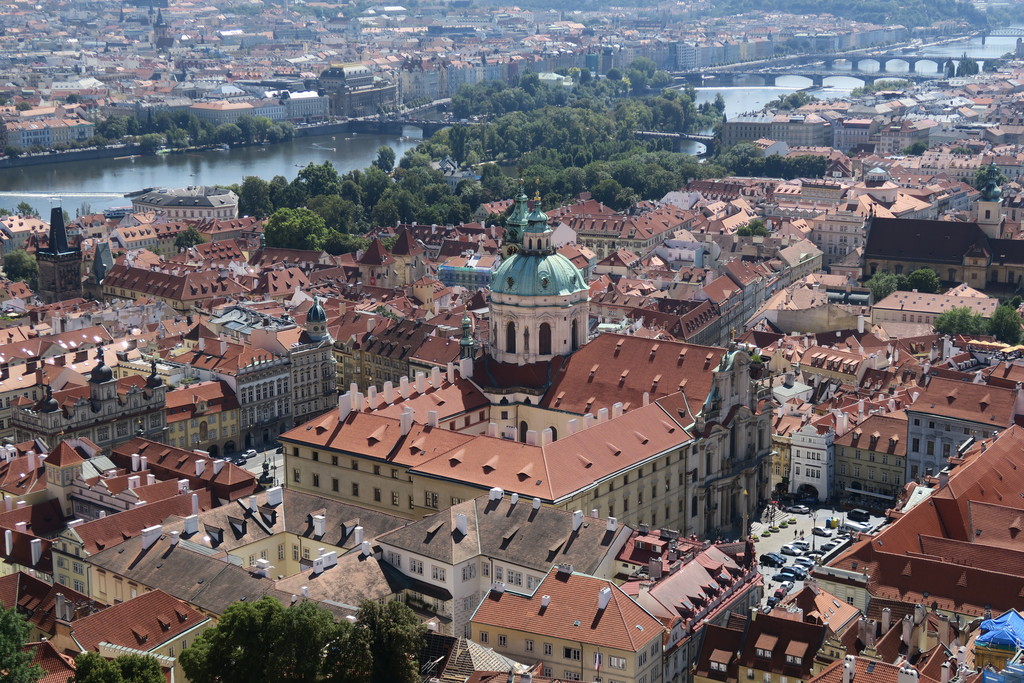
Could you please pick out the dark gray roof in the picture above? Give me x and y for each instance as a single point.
(518, 534)
(207, 197)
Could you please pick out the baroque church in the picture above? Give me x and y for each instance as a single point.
(653, 432)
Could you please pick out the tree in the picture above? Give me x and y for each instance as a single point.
(881, 284)
(916, 149)
(189, 238)
(960, 320)
(151, 142)
(385, 160)
(92, 667)
(755, 227)
(924, 280)
(302, 643)
(15, 663)
(614, 74)
(1005, 324)
(21, 265)
(318, 179)
(26, 209)
(294, 229)
(254, 197)
(394, 636)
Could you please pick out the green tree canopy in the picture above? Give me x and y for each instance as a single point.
(960, 320)
(385, 160)
(15, 663)
(1005, 324)
(303, 643)
(21, 265)
(189, 237)
(294, 229)
(26, 209)
(254, 198)
(92, 667)
(882, 284)
(924, 280)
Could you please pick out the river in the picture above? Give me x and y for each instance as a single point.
(102, 184)
(97, 185)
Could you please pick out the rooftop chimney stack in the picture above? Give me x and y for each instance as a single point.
(405, 420)
(319, 525)
(275, 496)
(492, 429)
(617, 409)
(389, 392)
(531, 437)
(886, 620)
(577, 520)
(432, 418)
(150, 535)
(514, 499)
(849, 668)
(364, 548)
(175, 536)
(545, 600)
(200, 467)
(612, 525)
(496, 493)
(191, 524)
(604, 596)
(421, 382)
(450, 373)
(403, 387)
(574, 426)
(371, 398)
(195, 503)
(466, 367)
(8, 542)
(218, 465)
(435, 377)
(357, 535)
(602, 415)
(36, 546)
(135, 462)
(461, 524)
(536, 503)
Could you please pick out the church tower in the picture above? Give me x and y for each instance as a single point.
(60, 274)
(316, 322)
(540, 303)
(990, 205)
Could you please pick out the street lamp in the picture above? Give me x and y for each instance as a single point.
(746, 514)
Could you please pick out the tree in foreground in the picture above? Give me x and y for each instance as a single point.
(15, 663)
(91, 667)
(267, 641)
(960, 320)
(924, 280)
(1005, 325)
(26, 209)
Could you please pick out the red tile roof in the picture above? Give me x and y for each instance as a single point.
(142, 623)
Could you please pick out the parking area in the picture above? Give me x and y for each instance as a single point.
(796, 545)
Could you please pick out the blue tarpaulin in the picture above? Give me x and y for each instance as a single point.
(1006, 630)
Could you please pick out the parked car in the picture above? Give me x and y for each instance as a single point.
(237, 460)
(803, 545)
(792, 549)
(250, 454)
(799, 509)
(794, 572)
(782, 577)
(773, 560)
(826, 547)
(784, 589)
(772, 601)
(859, 515)
(805, 562)
(851, 525)
(822, 531)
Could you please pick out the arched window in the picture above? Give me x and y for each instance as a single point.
(523, 428)
(575, 335)
(544, 342)
(554, 434)
(510, 337)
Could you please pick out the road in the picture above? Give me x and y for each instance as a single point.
(274, 459)
(799, 528)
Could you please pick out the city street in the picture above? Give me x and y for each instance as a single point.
(798, 527)
(274, 459)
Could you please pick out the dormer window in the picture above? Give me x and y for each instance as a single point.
(718, 666)
(764, 654)
(793, 659)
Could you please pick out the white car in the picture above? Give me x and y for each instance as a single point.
(250, 454)
(792, 549)
(822, 531)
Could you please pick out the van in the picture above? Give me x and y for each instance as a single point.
(851, 525)
(858, 515)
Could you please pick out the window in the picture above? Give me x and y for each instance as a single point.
(718, 666)
(529, 646)
(296, 477)
(334, 485)
(430, 499)
(544, 344)
(79, 585)
(483, 636)
(394, 473)
(930, 448)
(394, 497)
(468, 572)
(498, 573)
(316, 457)
(334, 460)
(394, 559)
(617, 662)
(764, 654)
(415, 566)
(376, 495)
(502, 641)
(641, 659)
(547, 648)
(571, 676)
(355, 464)
(355, 489)
(316, 480)
(792, 659)
(571, 653)
(515, 578)
(437, 573)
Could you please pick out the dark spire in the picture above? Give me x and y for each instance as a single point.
(58, 233)
(160, 19)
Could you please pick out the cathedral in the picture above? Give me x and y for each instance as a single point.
(653, 432)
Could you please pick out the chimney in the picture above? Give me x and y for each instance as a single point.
(466, 367)
(594, 514)
(908, 627)
(492, 429)
(262, 567)
(150, 479)
(461, 524)
(143, 463)
(200, 467)
(654, 568)
(253, 506)
(536, 503)
(574, 426)
(133, 481)
(602, 415)
(498, 587)
(514, 499)
(371, 323)
(886, 620)
(405, 420)
(435, 377)
(613, 524)
(546, 436)
(432, 419)
(218, 465)
(8, 542)
(961, 657)
(907, 674)
(150, 535)
(364, 548)
(371, 398)
(531, 437)
(943, 479)
(945, 630)
(495, 493)
(860, 324)
(357, 401)
(919, 614)
(357, 536)
(944, 676)
(577, 520)
(135, 462)
(319, 525)
(191, 524)
(389, 392)
(647, 398)
(849, 668)
(604, 596)
(195, 503)
(588, 420)
(275, 496)
(617, 409)
(421, 382)
(305, 592)
(450, 373)
(403, 387)
(545, 600)
(175, 536)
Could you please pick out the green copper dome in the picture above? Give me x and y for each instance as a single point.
(526, 274)
(991, 192)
